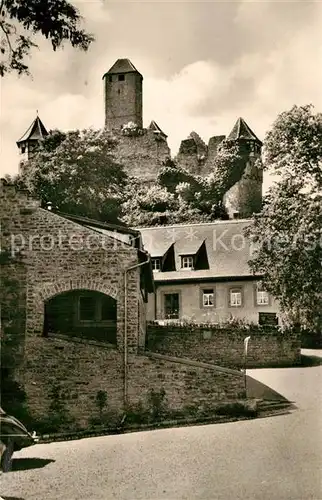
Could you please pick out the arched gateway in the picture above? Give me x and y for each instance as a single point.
(81, 307)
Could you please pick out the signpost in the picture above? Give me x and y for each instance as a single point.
(245, 358)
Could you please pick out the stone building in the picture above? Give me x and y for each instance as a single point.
(73, 320)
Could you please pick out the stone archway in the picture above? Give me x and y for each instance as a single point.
(81, 313)
(48, 290)
(39, 295)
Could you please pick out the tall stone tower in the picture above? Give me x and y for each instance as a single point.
(123, 95)
(245, 197)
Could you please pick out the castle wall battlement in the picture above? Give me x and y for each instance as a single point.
(143, 154)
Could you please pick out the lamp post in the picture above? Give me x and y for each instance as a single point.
(245, 359)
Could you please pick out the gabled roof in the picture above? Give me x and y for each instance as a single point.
(35, 132)
(122, 66)
(228, 251)
(155, 127)
(242, 131)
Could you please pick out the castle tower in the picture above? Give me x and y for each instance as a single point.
(245, 197)
(29, 142)
(123, 95)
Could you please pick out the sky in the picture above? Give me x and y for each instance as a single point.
(204, 63)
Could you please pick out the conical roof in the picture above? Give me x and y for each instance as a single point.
(155, 127)
(35, 132)
(122, 66)
(242, 131)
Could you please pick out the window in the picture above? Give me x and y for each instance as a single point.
(110, 78)
(121, 78)
(262, 298)
(208, 298)
(96, 308)
(23, 149)
(87, 308)
(235, 297)
(156, 264)
(171, 305)
(187, 262)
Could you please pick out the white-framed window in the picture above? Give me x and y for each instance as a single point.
(187, 262)
(208, 297)
(261, 295)
(156, 264)
(235, 297)
(262, 298)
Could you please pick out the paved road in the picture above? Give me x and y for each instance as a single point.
(276, 458)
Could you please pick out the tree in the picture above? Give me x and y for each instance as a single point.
(77, 173)
(288, 232)
(155, 205)
(57, 20)
(205, 194)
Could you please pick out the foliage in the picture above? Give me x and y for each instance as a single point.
(58, 418)
(131, 129)
(12, 395)
(20, 20)
(77, 173)
(157, 403)
(101, 401)
(287, 234)
(155, 205)
(153, 411)
(227, 169)
(205, 194)
(238, 409)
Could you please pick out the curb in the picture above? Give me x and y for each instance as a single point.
(215, 419)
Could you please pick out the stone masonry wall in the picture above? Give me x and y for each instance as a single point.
(186, 384)
(79, 369)
(142, 155)
(225, 347)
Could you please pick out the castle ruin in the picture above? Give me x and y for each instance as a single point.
(143, 151)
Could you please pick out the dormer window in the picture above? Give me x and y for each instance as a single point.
(187, 262)
(121, 78)
(156, 264)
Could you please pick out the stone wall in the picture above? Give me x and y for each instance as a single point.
(142, 155)
(79, 369)
(225, 346)
(193, 384)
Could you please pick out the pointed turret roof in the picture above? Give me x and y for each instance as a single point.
(242, 131)
(35, 132)
(122, 66)
(155, 127)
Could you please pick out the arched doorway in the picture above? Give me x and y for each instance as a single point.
(82, 313)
